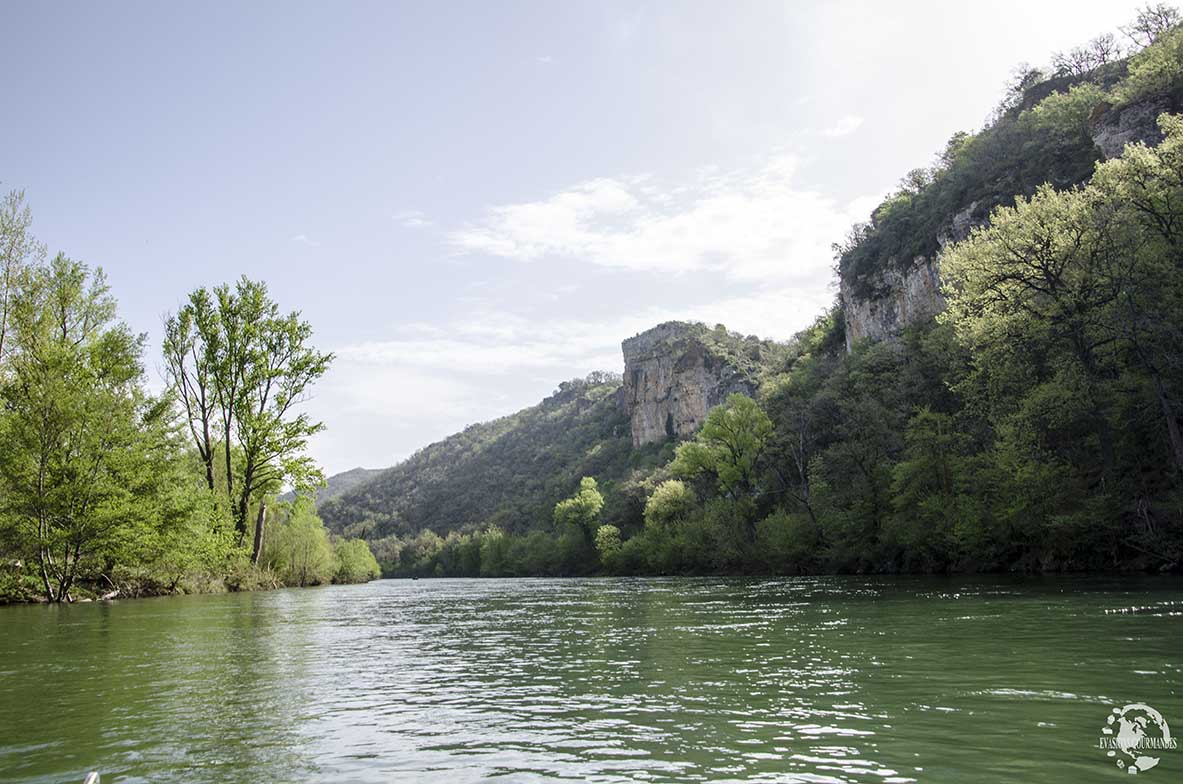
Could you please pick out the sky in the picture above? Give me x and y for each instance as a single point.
(474, 201)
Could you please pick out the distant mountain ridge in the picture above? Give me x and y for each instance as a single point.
(340, 483)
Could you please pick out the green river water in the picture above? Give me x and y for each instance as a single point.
(649, 680)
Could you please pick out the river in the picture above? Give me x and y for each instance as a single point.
(649, 680)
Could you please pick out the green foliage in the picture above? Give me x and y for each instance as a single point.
(607, 542)
(19, 250)
(1070, 304)
(355, 562)
(1156, 70)
(102, 490)
(671, 502)
(1065, 115)
(581, 512)
(88, 456)
(240, 369)
(729, 447)
(299, 551)
(933, 494)
(788, 543)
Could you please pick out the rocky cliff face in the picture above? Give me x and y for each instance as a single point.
(673, 375)
(911, 294)
(903, 297)
(1112, 129)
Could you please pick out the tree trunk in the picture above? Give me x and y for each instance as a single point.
(4, 305)
(259, 522)
(45, 576)
(241, 510)
(239, 522)
(207, 449)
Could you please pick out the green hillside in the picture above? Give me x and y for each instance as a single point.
(509, 472)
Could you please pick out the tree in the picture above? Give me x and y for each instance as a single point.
(608, 545)
(1083, 60)
(671, 501)
(191, 340)
(85, 449)
(582, 510)
(494, 553)
(1156, 70)
(802, 416)
(929, 492)
(18, 250)
(729, 448)
(851, 477)
(242, 367)
(355, 562)
(302, 553)
(1140, 196)
(1151, 23)
(1070, 304)
(1095, 272)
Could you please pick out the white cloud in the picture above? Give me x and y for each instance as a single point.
(412, 219)
(748, 225)
(304, 239)
(501, 342)
(544, 59)
(846, 126)
(493, 344)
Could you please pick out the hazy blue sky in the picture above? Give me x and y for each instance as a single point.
(472, 202)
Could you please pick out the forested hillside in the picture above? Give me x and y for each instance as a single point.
(509, 472)
(1032, 425)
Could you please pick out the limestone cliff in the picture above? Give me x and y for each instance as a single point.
(903, 297)
(880, 303)
(676, 372)
(1113, 128)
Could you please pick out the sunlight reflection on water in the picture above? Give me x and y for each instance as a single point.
(809, 679)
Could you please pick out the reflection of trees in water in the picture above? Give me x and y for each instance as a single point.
(669, 679)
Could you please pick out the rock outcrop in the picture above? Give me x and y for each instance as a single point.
(1114, 128)
(897, 295)
(676, 372)
(903, 297)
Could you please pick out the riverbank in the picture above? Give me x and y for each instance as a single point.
(24, 588)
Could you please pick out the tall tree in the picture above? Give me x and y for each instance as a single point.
(191, 340)
(1093, 275)
(801, 413)
(242, 368)
(581, 511)
(85, 449)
